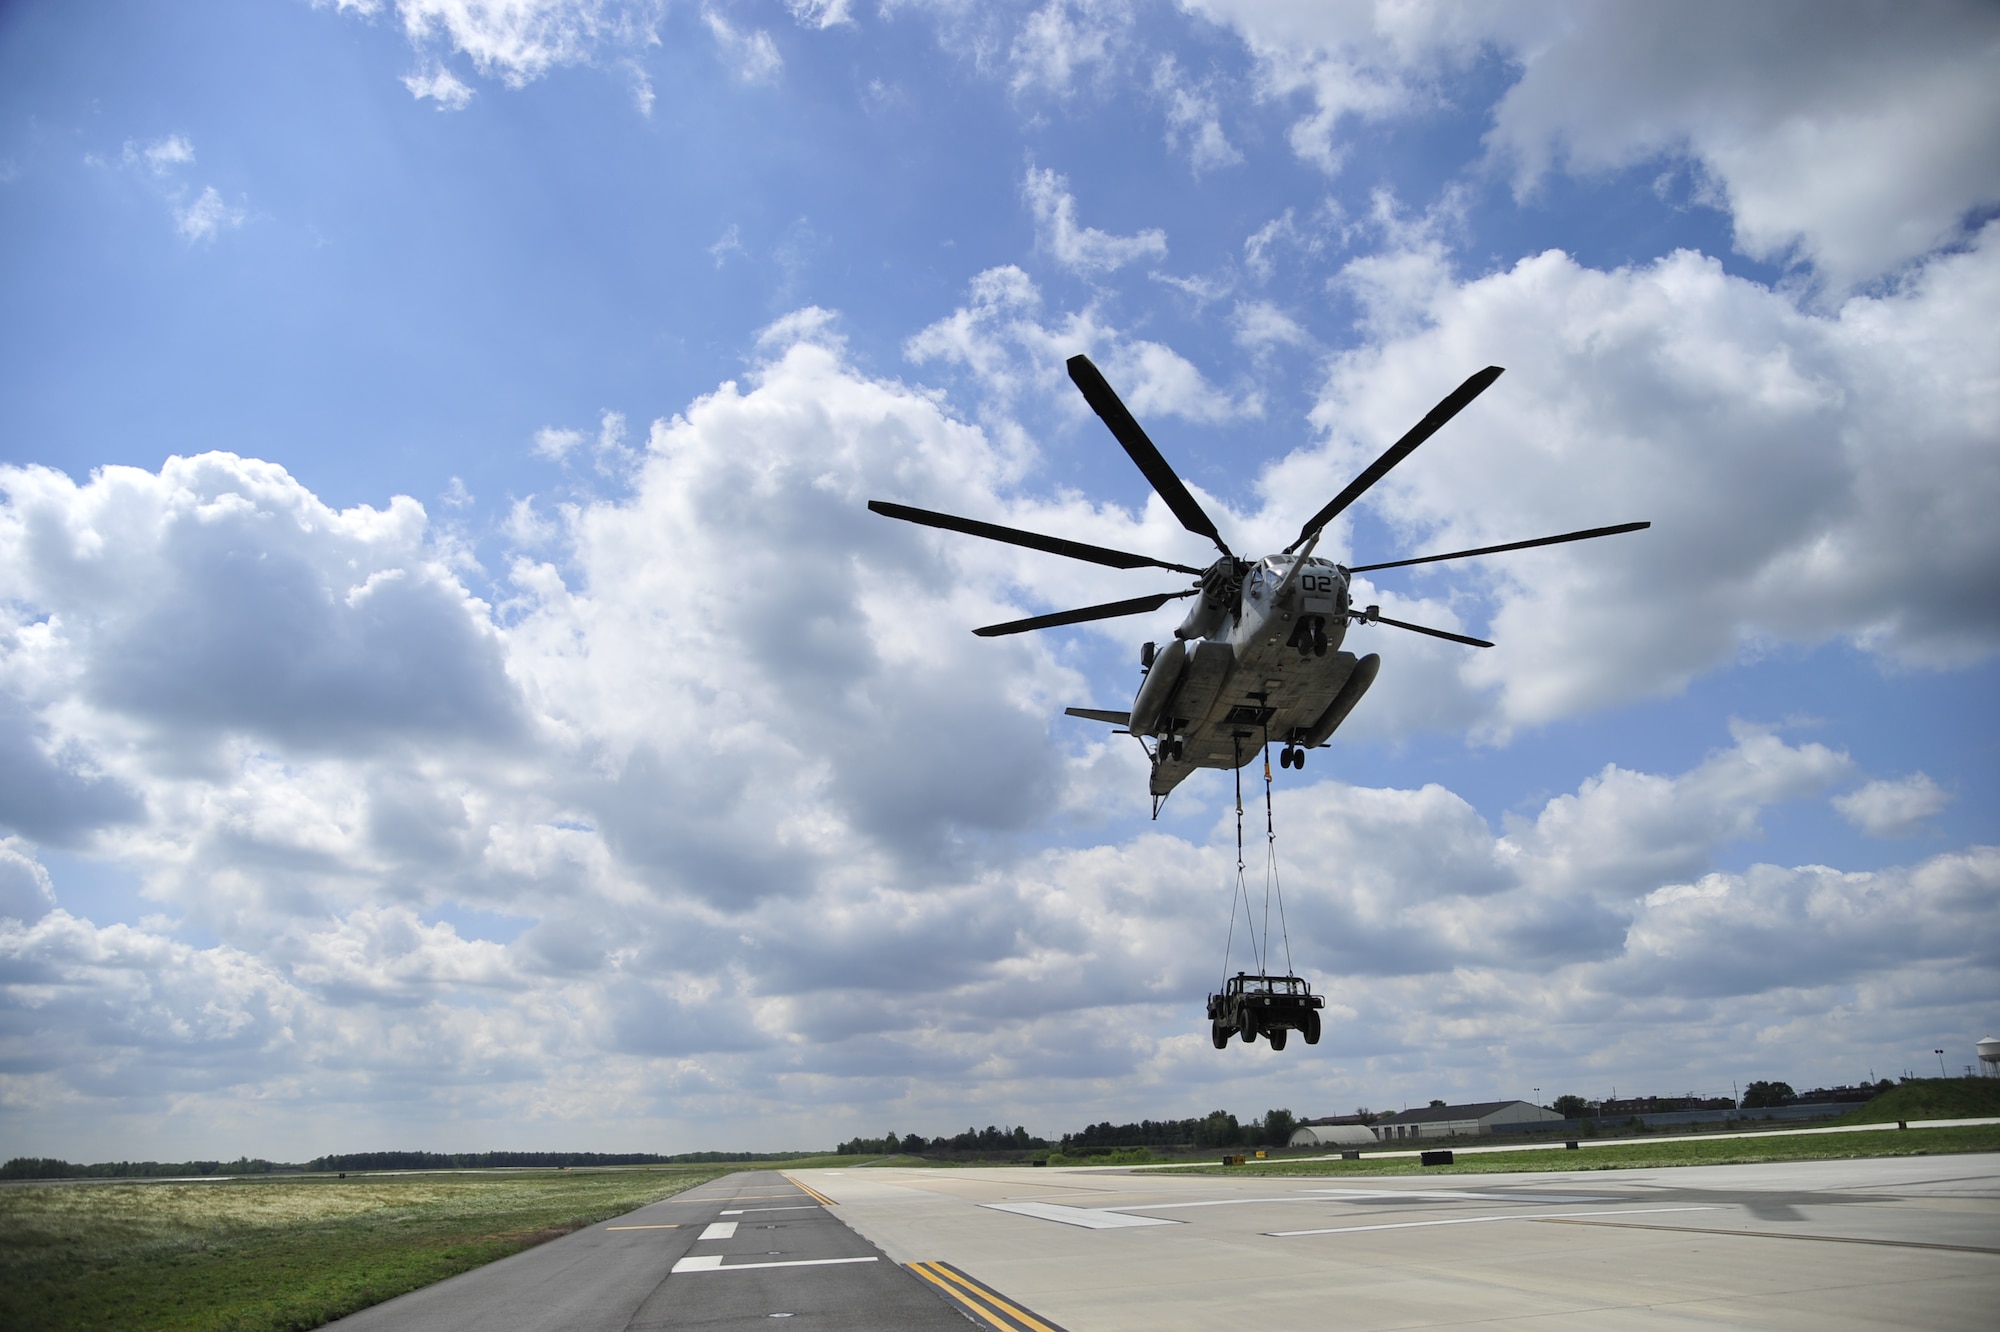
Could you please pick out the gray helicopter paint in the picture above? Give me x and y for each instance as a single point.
(1249, 684)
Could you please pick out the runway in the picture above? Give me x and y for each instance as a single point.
(1905, 1242)
(749, 1250)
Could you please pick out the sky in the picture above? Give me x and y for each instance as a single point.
(453, 695)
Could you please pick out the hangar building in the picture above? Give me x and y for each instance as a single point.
(1461, 1121)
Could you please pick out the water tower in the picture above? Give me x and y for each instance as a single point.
(1989, 1055)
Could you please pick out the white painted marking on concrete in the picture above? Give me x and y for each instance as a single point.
(1481, 1220)
(719, 1230)
(1448, 1195)
(1090, 1218)
(713, 1263)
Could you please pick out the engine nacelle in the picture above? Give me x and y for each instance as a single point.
(1157, 689)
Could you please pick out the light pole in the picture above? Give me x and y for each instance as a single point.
(1940, 1055)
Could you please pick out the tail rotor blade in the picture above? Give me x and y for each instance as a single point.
(1163, 478)
(1107, 611)
(1511, 545)
(1014, 536)
(1454, 403)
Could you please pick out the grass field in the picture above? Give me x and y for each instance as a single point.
(261, 1254)
(1647, 1155)
(1931, 1098)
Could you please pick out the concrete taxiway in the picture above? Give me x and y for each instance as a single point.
(1907, 1242)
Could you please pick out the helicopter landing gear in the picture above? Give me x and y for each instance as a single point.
(1292, 756)
(1172, 747)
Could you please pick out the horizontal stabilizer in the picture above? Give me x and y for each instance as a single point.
(1100, 715)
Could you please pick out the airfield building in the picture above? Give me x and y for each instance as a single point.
(1459, 1121)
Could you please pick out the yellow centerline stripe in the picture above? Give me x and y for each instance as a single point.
(808, 1190)
(955, 1295)
(939, 1273)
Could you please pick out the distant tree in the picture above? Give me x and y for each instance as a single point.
(1365, 1115)
(1278, 1126)
(1437, 1105)
(914, 1143)
(1220, 1129)
(1763, 1095)
(1571, 1107)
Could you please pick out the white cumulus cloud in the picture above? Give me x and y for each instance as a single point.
(1894, 808)
(1081, 249)
(1856, 136)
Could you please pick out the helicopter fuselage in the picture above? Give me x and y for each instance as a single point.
(1258, 658)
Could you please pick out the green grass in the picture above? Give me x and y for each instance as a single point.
(1648, 1155)
(1118, 1156)
(263, 1254)
(1931, 1098)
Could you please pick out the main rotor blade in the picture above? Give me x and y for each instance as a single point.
(1076, 550)
(1108, 611)
(1512, 545)
(1434, 633)
(1454, 403)
(1106, 404)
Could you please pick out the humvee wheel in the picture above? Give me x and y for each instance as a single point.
(1278, 1038)
(1246, 1026)
(1219, 1034)
(1311, 1032)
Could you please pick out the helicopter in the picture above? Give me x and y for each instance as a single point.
(1258, 656)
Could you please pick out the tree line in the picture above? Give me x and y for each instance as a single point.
(1216, 1129)
(491, 1160)
(50, 1167)
(988, 1139)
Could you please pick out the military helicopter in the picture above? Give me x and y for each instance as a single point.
(1259, 655)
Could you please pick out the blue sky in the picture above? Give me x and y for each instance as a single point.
(453, 696)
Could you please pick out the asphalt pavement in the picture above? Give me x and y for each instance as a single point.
(752, 1249)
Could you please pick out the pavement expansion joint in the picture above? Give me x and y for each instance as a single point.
(1767, 1234)
(1480, 1220)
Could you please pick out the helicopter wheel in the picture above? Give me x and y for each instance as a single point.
(1299, 759)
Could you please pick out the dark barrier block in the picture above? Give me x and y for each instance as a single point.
(1570, 1146)
(1436, 1158)
(1350, 1156)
